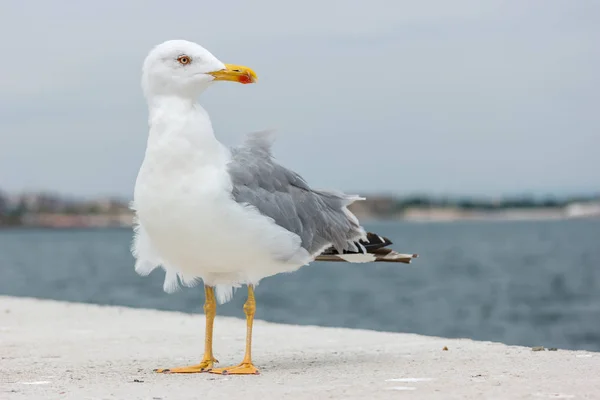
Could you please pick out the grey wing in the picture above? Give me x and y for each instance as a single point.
(319, 218)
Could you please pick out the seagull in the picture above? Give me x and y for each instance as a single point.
(224, 216)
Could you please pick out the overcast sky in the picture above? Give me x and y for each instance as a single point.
(444, 97)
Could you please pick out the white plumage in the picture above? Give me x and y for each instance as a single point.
(187, 219)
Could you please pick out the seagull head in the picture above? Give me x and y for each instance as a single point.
(186, 69)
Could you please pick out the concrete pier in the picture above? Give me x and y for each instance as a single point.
(58, 350)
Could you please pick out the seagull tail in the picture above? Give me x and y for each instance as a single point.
(374, 249)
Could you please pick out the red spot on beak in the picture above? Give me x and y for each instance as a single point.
(245, 79)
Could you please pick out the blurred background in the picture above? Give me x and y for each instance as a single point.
(472, 127)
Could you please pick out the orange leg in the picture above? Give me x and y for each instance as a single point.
(246, 367)
(210, 310)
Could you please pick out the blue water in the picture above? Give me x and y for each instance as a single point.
(527, 283)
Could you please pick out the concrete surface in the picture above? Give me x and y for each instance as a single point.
(55, 350)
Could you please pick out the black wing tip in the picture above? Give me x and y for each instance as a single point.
(376, 241)
(373, 243)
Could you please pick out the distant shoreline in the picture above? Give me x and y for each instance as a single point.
(96, 222)
(456, 215)
(39, 210)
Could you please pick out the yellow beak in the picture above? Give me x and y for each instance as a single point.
(235, 73)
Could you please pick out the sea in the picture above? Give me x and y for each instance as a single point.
(531, 283)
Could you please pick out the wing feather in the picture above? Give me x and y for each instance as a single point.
(320, 218)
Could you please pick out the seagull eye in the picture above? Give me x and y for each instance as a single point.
(184, 60)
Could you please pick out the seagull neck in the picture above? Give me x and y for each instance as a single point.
(159, 106)
(182, 116)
